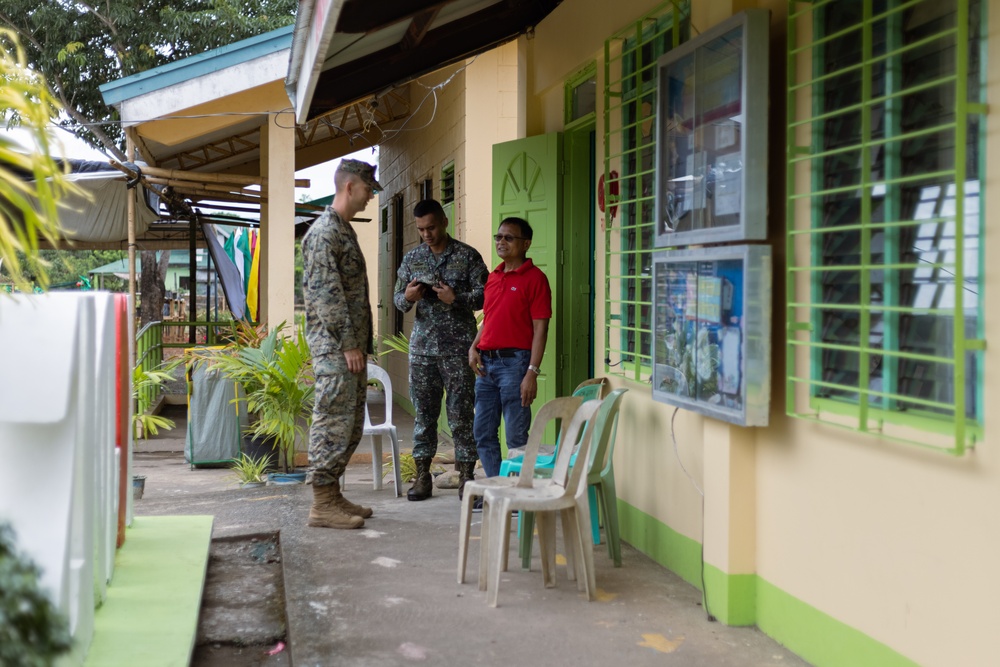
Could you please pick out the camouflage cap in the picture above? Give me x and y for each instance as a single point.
(363, 169)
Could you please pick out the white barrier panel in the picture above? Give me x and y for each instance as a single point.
(103, 401)
(57, 412)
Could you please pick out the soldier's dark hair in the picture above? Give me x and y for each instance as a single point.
(429, 207)
(521, 223)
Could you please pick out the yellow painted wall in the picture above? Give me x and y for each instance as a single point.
(478, 103)
(896, 542)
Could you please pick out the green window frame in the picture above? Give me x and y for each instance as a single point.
(629, 182)
(885, 170)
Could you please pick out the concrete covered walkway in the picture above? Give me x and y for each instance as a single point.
(386, 594)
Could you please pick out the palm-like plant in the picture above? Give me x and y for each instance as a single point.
(284, 401)
(142, 380)
(278, 386)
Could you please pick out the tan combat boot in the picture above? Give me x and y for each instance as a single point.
(352, 508)
(326, 513)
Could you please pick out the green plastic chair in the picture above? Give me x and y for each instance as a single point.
(600, 484)
(586, 390)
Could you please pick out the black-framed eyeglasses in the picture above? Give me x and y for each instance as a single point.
(506, 237)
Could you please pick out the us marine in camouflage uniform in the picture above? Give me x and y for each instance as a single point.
(445, 279)
(339, 331)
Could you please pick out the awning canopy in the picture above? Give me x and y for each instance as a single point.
(97, 217)
(344, 50)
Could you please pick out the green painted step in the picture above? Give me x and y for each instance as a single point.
(150, 616)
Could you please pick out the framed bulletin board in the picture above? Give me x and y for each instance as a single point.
(712, 331)
(711, 159)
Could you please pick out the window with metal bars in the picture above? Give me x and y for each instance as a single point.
(884, 217)
(629, 182)
(448, 183)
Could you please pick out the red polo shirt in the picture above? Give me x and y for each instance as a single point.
(512, 300)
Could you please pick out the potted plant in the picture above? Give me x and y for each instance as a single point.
(277, 381)
(249, 471)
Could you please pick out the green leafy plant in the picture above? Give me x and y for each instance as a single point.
(247, 469)
(401, 343)
(408, 468)
(32, 631)
(398, 343)
(278, 384)
(31, 182)
(144, 423)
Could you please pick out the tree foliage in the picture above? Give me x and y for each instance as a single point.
(27, 208)
(81, 45)
(67, 266)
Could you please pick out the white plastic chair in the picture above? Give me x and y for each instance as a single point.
(376, 431)
(562, 409)
(563, 495)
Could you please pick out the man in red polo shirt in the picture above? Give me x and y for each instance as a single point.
(508, 349)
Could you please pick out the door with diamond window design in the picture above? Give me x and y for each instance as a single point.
(527, 184)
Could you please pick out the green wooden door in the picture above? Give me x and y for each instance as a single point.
(527, 183)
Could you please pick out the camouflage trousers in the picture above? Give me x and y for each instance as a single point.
(338, 418)
(430, 379)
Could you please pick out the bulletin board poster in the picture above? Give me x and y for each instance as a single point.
(712, 331)
(712, 123)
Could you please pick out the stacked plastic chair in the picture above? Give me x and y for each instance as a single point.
(561, 495)
(601, 490)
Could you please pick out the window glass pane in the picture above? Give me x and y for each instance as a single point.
(583, 99)
(897, 276)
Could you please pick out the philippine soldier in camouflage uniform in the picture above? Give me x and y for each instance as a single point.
(339, 331)
(445, 279)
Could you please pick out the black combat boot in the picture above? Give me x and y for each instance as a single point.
(421, 489)
(466, 473)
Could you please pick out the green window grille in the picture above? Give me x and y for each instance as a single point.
(884, 212)
(629, 180)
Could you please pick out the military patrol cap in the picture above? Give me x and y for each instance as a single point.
(363, 169)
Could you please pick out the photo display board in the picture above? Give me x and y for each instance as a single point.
(711, 160)
(712, 331)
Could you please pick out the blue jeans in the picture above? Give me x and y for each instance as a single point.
(499, 393)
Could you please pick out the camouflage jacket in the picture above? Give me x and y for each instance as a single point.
(443, 329)
(335, 283)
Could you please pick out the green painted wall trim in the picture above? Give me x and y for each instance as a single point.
(732, 598)
(818, 637)
(747, 599)
(674, 551)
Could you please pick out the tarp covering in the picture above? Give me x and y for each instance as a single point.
(104, 219)
(214, 430)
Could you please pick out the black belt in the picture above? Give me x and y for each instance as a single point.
(502, 352)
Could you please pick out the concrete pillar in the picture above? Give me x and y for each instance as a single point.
(730, 522)
(277, 224)
(495, 112)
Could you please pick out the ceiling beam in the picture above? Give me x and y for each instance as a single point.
(357, 17)
(417, 29)
(445, 45)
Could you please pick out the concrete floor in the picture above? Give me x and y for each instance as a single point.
(387, 594)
